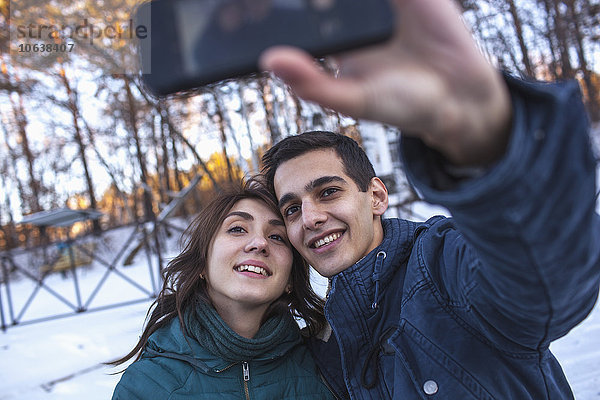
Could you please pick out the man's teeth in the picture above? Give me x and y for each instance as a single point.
(253, 268)
(326, 240)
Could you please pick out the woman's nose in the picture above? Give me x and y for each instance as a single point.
(257, 243)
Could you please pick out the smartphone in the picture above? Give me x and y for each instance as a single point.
(189, 43)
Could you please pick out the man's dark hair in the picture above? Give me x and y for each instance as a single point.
(356, 163)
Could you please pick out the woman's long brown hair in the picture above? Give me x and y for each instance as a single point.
(182, 277)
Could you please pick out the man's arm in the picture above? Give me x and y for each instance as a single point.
(531, 268)
(430, 80)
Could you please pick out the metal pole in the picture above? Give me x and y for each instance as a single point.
(2, 304)
(75, 281)
(7, 288)
(158, 255)
(149, 258)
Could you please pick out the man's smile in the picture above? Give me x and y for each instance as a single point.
(325, 240)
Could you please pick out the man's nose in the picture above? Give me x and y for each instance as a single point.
(312, 216)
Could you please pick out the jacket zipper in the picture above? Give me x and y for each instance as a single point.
(246, 372)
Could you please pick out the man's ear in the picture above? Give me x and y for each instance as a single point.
(379, 196)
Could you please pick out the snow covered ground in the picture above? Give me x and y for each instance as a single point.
(63, 359)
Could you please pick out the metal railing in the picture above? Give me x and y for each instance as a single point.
(37, 269)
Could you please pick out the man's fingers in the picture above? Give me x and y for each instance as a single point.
(299, 70)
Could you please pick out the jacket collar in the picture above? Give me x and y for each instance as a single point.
(170, 341)
(360, 281)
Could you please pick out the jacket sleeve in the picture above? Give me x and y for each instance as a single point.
(530, 265)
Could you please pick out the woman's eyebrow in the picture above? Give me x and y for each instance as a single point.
(241, 214)
(249, 217)
(276, 222)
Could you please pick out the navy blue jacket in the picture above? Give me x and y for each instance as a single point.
(465, 307)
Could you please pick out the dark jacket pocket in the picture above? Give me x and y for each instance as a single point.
(432, 372)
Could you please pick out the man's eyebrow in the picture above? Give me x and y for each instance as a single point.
(324, 180)
(285, 199)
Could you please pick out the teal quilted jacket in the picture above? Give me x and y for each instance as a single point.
(176, 367)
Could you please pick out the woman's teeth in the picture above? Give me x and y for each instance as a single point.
(253, 268)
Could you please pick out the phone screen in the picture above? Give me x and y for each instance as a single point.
(217, 35)
(200, 41)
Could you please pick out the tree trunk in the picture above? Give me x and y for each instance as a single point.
(299, 117)
(13, 158)
(109, 170)
(592, 93)
(552, 47)
(223, 136)
(132, 111)
(561, 29)
(246, 118)
(176, 172)
(174, 131)
(8, 228)
(519, 32)
(20, 117)
(75, 114)
(270, 111)
(157, 148)
(166, 175)
(242, 160)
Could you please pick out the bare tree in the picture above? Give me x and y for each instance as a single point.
(518, 26)
(72, 105)
(574, 11)
(20, 120)
(271, 114)
(132, 124)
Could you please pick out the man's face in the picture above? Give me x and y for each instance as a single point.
(328, 219)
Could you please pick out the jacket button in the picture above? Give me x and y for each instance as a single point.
(430, 387)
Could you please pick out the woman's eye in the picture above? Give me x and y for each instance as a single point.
(236, 229)
(291, 210)
(279, 238)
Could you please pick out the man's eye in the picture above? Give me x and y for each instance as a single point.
(291, 210)
(329, 192)
(236, 229)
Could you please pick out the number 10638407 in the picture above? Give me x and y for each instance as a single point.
(45, 48)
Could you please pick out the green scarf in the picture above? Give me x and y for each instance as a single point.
(203, 323)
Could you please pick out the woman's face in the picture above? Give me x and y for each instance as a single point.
(249, 259)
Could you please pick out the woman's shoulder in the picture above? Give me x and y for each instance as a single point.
(151, 378)
(156, 375)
